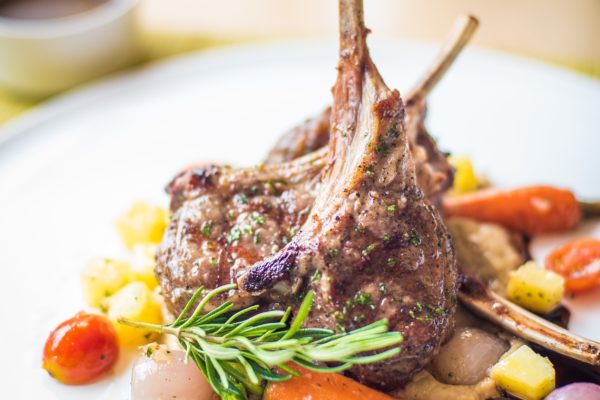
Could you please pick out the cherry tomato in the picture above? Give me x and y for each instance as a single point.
(578, 262)
(80, 349)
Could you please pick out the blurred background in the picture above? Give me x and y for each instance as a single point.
(34, 66)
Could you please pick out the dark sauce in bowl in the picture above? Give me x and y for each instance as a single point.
(45, 9)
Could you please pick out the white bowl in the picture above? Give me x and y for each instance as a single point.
(42, 57)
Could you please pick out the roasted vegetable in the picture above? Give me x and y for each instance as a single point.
(237, 350)
(576, 391)
(102, 278)
(160, 373)
(143, 263)
(467, 356)
(135, 301)
(524, 374)
(533, 210)
(535, 288)
(321, 386)
(465, 180)
(142, 223)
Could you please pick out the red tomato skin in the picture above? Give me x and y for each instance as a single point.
(573, 261)
(80, 349)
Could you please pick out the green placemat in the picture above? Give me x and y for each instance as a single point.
(157, 45)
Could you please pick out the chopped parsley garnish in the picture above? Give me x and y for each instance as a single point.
(394, 132)
(242, 198)
(315, 277)
(207, 228)
(332, 252)
(391, 261)
(363, 298)
(367, 250)
(257, 218)
(234, 235)
(415, 239)
(339, 316)
(392, 208)
(382, 148)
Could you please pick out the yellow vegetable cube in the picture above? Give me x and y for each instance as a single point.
(143, 263)
(465, 180)
(102, 278)
(142, 223)
(525, 374)
(535, 288)
(135, 301)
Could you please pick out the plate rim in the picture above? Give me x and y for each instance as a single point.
(205, 58)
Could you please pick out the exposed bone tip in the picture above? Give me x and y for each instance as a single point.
(471, 20)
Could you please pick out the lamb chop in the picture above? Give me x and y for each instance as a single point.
(372, 246)
(434, 174)
(225, 219)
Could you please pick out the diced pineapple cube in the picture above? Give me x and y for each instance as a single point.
(102, 278)
(143, 263)
(535, 288)
(465, 180)
(137, 302)
(525, 374)
(142, 223)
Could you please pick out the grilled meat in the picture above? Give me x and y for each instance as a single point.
(372, 246)
(434, 174)
(225, 219)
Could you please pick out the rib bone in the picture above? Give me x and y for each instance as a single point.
(526, 325)
(314, 133)
(196, 250)
(372, 247)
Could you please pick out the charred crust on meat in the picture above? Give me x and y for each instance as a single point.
(266, 273)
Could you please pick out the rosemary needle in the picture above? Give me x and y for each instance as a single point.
(237, 351)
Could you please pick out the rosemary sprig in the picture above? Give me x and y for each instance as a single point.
(237, 351)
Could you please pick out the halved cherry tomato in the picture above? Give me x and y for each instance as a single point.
(80, 349)
(578, 262)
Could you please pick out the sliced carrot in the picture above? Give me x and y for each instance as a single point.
(321, 386)
(533, 210)
(578, 262)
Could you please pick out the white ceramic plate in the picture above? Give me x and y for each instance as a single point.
(70, 167)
